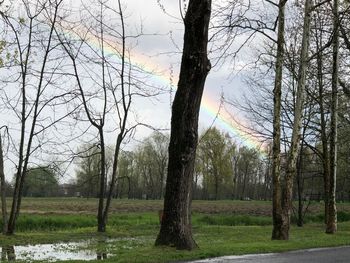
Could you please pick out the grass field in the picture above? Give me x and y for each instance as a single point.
(220, 228)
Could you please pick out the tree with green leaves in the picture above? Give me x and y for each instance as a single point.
(151, 159)
(88, 171)
(41, 181)
(214, 162)
(249, 172)
(128, 180)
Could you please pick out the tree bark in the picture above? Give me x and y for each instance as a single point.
(300, 221)
(245, 175)
(324, 137)
(24, 155)
(281, 228)
(176, 229)
(295, 142)
(101, 220)
(3, 190)
(276, 148)
(331, 227)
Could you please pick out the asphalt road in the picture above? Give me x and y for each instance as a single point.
(320, 255)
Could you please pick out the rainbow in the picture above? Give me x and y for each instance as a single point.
(237, 127)
(209, 106)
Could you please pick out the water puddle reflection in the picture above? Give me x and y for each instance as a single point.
(85, 250)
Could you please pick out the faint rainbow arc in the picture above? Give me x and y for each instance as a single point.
(208, 105)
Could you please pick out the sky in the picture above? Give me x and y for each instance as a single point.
(222, 81)
(159, 51)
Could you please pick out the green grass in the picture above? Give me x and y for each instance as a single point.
(35, 222)
(342, 216)
(231, 220)
(29, 222)
(213, 241)
(216, 241)
(52, 222)
(219, 227)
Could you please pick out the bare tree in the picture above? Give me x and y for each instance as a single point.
(276, 149)
(32, 35)
(3, 190)
(323, 124)
(297, 122)
(106, 86)
(331, 227)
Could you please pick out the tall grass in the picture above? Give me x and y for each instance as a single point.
(34, 222)
(30, 222)
(232, 220)
(342, 216)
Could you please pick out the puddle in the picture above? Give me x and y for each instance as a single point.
(55, 252)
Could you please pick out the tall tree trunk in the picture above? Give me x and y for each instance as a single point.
(332, 210)
(24, 155)
(276, 148)
(176, 229)
(324, 137)
(300, 222)
(3, 190)
(126, 103)
(101, 220)
(295, 141)
(112, 185)
(245, 175)
(235, 178)
(216, 186)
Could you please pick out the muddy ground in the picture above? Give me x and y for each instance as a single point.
(89, 206)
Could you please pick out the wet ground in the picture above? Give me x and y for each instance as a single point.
(83, 250)
(93, 249)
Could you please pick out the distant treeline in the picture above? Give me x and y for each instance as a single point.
(223, 171)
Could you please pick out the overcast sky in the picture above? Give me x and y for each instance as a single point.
(160, 50)
(220, 79)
